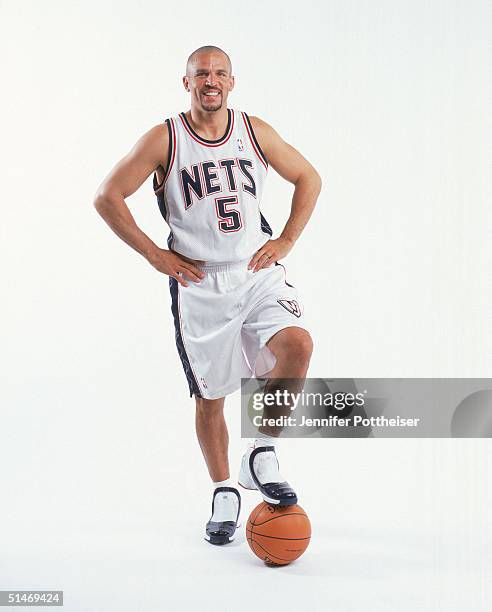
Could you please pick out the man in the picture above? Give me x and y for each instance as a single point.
(234, 312)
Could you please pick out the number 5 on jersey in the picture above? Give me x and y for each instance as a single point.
(229, 219)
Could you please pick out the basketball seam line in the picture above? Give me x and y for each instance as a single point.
(278, 538)
(269, 554)
(276, 517)
(260, 508)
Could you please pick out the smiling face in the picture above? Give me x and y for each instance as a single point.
(209, 80)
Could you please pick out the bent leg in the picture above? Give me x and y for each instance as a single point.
(292, 348)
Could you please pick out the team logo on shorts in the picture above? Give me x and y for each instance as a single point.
(292, 306)
(240, 144)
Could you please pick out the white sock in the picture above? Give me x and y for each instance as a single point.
(226, 503)
(223, 483)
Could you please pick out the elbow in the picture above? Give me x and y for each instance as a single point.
(101, 202)
(311, 180)
(317, 181)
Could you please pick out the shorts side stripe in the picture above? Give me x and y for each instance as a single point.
(187, 367)
(285, 275)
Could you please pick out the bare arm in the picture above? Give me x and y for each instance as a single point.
(293, 167)
(125, 178)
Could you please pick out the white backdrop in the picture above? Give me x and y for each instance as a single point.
(388, 100)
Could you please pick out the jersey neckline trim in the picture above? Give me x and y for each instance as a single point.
(204, 141)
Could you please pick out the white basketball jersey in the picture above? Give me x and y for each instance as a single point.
(211, 193)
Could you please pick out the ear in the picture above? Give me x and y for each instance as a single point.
(186, 83)
(233, 82)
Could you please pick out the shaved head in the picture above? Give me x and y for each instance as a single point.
(206, 49)
(209, 79)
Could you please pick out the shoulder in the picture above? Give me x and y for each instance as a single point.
(260, 125)
(154, 143)
(265, 134)
(158, 133)
(263, 130)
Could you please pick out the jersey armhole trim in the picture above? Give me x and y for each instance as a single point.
(254, 141)
(171, 154)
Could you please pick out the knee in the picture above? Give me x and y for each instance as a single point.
(297, 343)
(303, 346)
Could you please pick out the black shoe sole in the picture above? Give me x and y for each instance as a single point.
(219, 540)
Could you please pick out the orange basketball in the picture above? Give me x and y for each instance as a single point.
(278, 534)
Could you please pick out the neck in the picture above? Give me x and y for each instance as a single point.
(211, 125)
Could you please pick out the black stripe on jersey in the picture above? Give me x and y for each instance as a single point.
(162, 204)
(157, 187)
(188, 370)
(164, 208)
(170, 241)
(229, 119)
(265, 226)
(255, 140)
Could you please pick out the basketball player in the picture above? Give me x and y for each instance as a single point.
(234, 312)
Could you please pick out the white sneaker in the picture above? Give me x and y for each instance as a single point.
(260, 470)
(244, 478)
(222, 525)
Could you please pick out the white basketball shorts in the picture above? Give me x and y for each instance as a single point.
(223, 324)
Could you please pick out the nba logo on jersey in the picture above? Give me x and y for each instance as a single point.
(240, 144)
